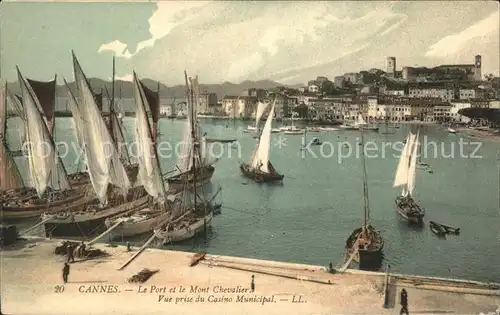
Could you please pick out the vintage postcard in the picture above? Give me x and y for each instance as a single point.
(249, 157)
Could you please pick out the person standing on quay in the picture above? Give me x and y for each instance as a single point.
(404, 302)
(65, 272)
(252, 284)
(69, 249)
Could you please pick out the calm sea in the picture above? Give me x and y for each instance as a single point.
(309, 217)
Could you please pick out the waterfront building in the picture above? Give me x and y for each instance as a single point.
(442, 112)
(239, 106)
(444, 91)
(457, 105)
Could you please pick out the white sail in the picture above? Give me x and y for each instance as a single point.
(121, 144)
(401, 176)
(261, 157)
(149, 174)
(103, 163)
(42, 155)
(413, 167)
(13, 103)
(261, 108)
(361, 121)
(9, 173)
(77, 118)
(185, 160)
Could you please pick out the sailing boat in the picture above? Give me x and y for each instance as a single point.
(11, 181)
(115, 126)
(186, 220)
(144, 220)
(205, 169)
(405, 177)
(292, 130)
(103, 165)
(260, 168)
(53, 192)
(365, 244)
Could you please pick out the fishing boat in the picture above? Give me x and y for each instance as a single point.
(437, 229)
(140, 221)
(365, 244)
(204, 167)
(52, 190)
(261, 108)
(109, 179)
(313, 129)
(292, 130)
(327, 129)
(366, 127)
(405, 175)
(260, 168)
(189, 216)
(451, 130)
(212, 140)
(441, 229)
(316, 141)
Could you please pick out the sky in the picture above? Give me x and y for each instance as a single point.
(286, 41)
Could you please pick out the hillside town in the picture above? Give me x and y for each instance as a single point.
(426, 94)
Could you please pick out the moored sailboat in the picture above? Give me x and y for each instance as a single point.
(365, 244)
(52, 190)
(405, 175)
(107, 173)
(260, 168)
(149, 176)
(189, 217)
(204, 168)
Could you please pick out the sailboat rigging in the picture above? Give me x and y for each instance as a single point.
(365, 244)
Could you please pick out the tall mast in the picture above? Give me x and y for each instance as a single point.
(112, 102)
(366, 209)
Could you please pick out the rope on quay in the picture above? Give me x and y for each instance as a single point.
(254, 270)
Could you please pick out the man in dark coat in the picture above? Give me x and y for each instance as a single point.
(252, 284)
(65, 272)
(404, 302)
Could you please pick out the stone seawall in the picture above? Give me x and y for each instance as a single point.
(32, 284)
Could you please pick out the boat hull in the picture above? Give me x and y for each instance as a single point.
(203, 177)
(185, 233)
(127, 229)
(411, 215)
(260, 177)
(369, 258)
(74, 202)
(87, 223)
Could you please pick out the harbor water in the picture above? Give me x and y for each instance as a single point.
(309, 217)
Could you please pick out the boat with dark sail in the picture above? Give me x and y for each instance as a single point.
(260, 168)
(405, 176)
(191, 214)
(156, 212)
(110, 183)
(185, 165)
(365, 244)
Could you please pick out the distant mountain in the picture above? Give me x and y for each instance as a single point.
(125, 89)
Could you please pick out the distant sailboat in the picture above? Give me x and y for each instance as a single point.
(260, 168)
(405, 177)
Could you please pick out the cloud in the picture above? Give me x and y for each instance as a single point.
(119, 48)
(452, 44)
(167, 16)
(128, 78)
